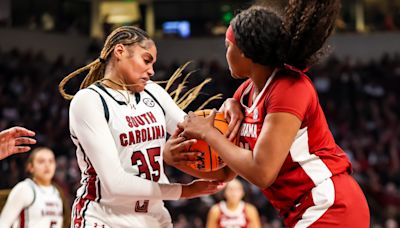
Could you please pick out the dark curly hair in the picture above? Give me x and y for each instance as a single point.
(296, 38)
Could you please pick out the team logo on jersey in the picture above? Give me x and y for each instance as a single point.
(149, 102)
(255, 114)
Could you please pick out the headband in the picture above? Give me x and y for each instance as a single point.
(230, 35)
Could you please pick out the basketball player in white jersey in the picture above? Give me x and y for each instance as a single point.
(35, 202)
(119, 122)
(233, 212)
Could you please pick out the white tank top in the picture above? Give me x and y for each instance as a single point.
(46, 209)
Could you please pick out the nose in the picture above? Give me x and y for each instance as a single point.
(150, 72)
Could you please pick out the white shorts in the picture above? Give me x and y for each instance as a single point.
(87, 213)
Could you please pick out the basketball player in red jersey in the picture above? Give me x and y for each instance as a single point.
(233, 212)
(119, 121)
(287, 148)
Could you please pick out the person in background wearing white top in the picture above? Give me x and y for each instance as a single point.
(119, 121)
(35, 202)
(233, 212)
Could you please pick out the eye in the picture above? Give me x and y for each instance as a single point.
(147, 61)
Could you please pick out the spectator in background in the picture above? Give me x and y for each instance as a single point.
(233, 211)
(35, 202)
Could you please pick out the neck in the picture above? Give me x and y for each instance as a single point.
(232, 205)
(111, 78)
(42, 182)
(259, 75)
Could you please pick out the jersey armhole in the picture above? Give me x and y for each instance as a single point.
(34, 192)
(105, 107)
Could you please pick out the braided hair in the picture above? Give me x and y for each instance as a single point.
(126, 35)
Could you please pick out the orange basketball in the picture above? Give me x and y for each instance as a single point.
(209, 160)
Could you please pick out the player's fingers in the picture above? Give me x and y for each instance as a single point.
(24, 140)
(21, 131)
(232, 134)
(176, 133)
(21, 149)
(186, 143)
(212, 114)
(186, 158)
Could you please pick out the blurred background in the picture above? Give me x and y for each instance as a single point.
(41, 41)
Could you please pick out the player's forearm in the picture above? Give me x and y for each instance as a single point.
(240, 160)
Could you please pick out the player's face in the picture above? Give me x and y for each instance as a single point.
(234, 191)
(238, 63)
(136, 65)
(43, 166)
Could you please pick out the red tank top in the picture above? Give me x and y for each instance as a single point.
(232, 219)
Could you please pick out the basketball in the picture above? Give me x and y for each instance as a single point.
(209, 160)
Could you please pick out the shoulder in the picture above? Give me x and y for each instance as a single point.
(293, 82)
(85, 94)
(25, 185)
(215, 209)
(250, 208)
(85, 97)
(24, 191)
(154, 88)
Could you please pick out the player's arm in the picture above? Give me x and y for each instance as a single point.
(253, 215)
(279, 130)
(212, 217)
(21, 196)
(90, 127)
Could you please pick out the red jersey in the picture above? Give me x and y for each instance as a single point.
(232, 219)
(313, 156)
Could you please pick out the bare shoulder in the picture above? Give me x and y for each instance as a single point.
(250, 208)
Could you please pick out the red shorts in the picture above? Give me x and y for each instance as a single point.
(336, 202)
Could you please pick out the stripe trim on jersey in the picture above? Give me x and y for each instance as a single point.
(323, 196)
(100, 86)
(324, 191)
(32, 185)
(312, 165)
(22, 220)
(80, 207)
(93, 181)
(247, 90)
(105, 107)
(151, 95)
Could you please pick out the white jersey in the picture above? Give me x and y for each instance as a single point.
(31, 205)
(119, 146)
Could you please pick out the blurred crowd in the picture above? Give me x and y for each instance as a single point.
(360, 100)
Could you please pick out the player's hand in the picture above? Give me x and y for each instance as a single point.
(233, 114)
(201, 187)
(175, 150)
(13, 139)
(197, 127)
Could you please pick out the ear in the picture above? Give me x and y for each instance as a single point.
(119, 51)
(29, 168)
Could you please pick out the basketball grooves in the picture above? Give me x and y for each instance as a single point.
(209, 147)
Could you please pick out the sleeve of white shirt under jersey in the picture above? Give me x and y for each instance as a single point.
(21, 196)
(88, 124)
(173, 114)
